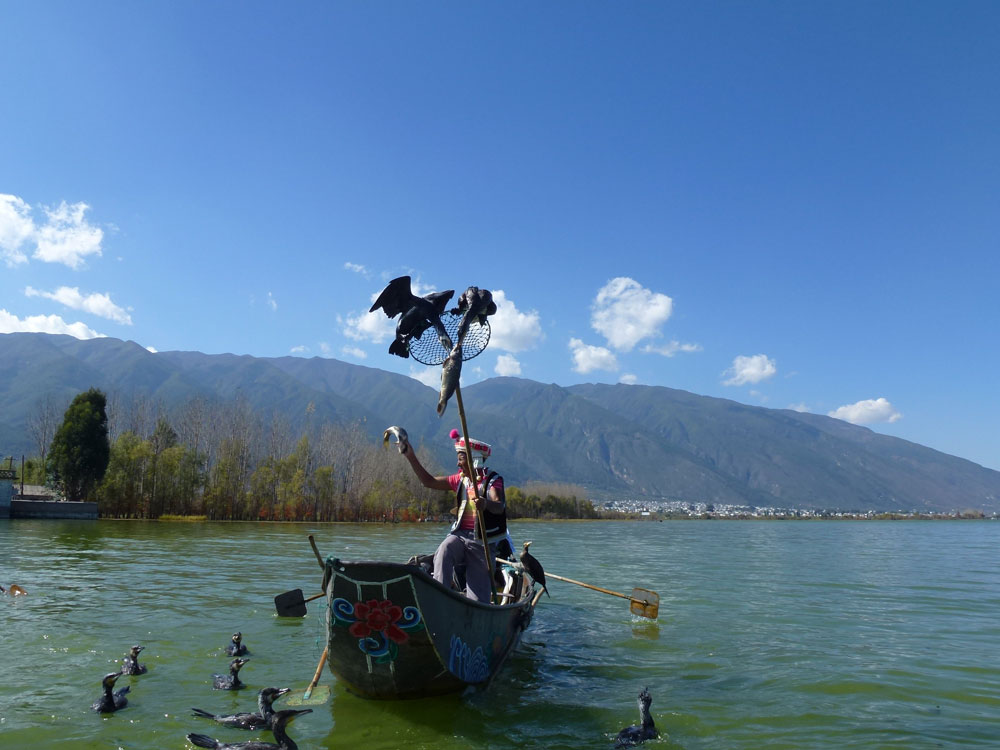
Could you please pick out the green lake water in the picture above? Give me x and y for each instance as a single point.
(793, 635)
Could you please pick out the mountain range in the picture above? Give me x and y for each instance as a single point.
(621, 441)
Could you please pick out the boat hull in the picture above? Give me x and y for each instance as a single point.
(394, 632)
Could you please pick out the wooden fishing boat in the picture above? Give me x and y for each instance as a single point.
(394, 632)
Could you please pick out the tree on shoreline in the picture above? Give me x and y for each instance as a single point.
(79, 454)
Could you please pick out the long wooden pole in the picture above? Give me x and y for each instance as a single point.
(645, 603)
(594, 588)
(475, 493)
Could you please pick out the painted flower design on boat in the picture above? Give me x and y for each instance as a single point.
(379, 626)
(374, 617)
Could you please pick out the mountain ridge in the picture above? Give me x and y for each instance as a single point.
(643, 442)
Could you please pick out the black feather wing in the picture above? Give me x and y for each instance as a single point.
(396, 298)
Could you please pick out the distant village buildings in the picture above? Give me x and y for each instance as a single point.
(662, 509)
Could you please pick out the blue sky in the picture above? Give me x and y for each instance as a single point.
(788, 204)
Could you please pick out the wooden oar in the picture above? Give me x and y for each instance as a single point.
(319, 557)
(643, 602)
(292, 603)
(310, 698)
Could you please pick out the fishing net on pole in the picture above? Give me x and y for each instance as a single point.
(427, 348)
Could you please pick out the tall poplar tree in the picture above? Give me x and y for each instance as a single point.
(78, 456)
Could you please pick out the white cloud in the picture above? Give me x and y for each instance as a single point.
(507, 365)
(629, 379)
(430, 376)
(272, 302)
(750, 370)
(417, 287)
(671, 348)
(799, 407)
(16, 228)
(45, 324)
(587, 358)
(625, 312)
(300, 349)
(95, 304)
(67, 238)
(324, 348)
(511, 329)
(357, 268)
(869, 411)
(353, 351)
(369, 326)
(152, 350)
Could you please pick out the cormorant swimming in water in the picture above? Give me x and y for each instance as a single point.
(130, 664)
(281, 718)
(645, 730)
(230, 681)
(236, 648)
(533, 567)
(111, 701)
(248, 720)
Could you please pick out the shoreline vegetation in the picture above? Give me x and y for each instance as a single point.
(212, 461)
(227, 462)
(632, 517)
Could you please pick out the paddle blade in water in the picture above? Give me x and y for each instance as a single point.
(645, 603)
(317, 697)
(290, 604)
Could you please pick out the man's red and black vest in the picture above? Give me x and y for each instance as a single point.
(496, 523)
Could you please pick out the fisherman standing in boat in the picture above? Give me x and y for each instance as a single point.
(463, 545)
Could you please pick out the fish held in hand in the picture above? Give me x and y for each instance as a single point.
(402, 439)
(451, 373)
